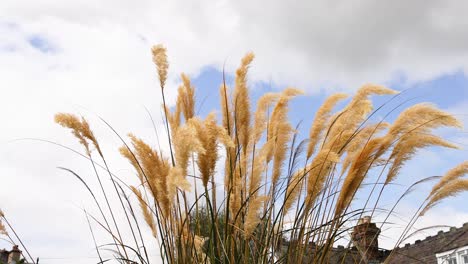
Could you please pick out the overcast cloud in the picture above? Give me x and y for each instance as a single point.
(332, 43)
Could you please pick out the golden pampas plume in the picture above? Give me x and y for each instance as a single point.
(80, 129)
(162, 65)
(458, 171)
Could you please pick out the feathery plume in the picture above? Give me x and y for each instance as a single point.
(280, 131)
(223, 137)
(153, 166)
(368, 132)
(242, 102)
(207, 135)
(188, 99)
(80, 129)
(294, 187)
(260, 122)
(229, 167)
(411, 129)
(407, 147)
(279, 114)
(146, 211)
(450, 189)
(318, 170)
(174, 117)
(356, 174)
(72, 122)
(176, 180)
(368, 89)
(422, 117)
(160, 59)
(186, 142)
(360, 139)
(154, 170)
(252, 218)
(259, 166)
(235, 190)
(346, 122)
(255, 179)
(320, 121)
(88, 133)
(457, 172)
(126, 153)
(226, 113)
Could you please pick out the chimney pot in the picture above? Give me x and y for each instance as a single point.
(15, 255)
(365, 238)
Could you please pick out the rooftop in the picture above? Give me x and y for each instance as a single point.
(424, 251)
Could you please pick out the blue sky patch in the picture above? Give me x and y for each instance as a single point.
(41, 43)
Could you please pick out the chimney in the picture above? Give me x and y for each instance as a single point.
(365, 238)
(15, 255)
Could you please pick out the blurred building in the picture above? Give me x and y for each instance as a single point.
(449, 247)
(10, 257)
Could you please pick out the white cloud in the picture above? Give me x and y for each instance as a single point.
(302, 43)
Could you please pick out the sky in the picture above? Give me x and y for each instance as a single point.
(93, 58)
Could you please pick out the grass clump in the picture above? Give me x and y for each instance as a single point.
(274, 184)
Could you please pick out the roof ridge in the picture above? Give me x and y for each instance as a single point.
(439, 233)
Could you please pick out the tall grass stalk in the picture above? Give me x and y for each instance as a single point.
(277, 186)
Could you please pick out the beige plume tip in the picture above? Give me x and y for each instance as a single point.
(162, 64)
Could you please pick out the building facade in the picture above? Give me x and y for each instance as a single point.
(12, 256)
(449, 247)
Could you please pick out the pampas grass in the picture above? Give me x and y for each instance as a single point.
(160, 59)
(448, 186)
(452, 188)
(320, 122)
(268, 194)
(455, 173)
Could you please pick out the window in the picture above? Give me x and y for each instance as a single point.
(453, 256)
